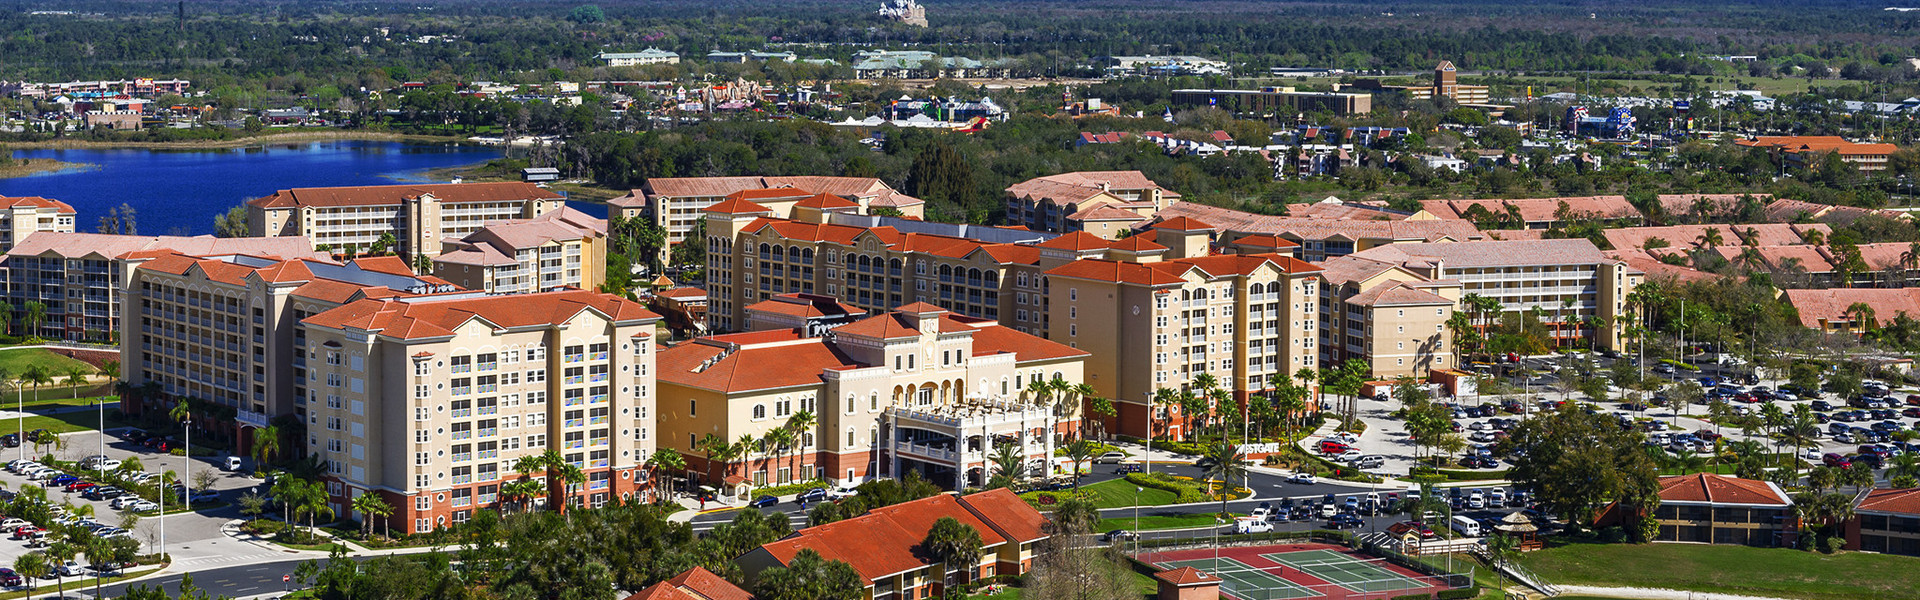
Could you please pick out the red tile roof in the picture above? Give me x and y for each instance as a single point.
(1265, 240)
(1008, 514)
(1575, 251)
(1830, 305)
(804, 305)
(683, 293)
(769, 194)
(826, 202)
(106, 246)
(1535, 210)
(1078, 241)
(1186, 576)
(886, 541)
(736, 206)
(375, 195)
(1137, 243)
(35, 202)
(1817, 143)
(1171, 272)
(1309, 228)
(435, 317)
(1895, 501)
(1721, 489)
(1397, 294)
(1183, 224)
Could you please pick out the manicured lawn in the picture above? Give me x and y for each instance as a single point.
(1118, 493)
(66, 423)
(1777, 572)
(1152, 522)
(18, 361)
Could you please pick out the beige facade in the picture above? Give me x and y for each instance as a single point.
(557, 250)
(418, 216)
(79, 276)
(430, 401)
(679, 204)
(1390, 317)
(26, 216)
(1569, 280)
(917, 388)
(1151, 322)
(1103, 203)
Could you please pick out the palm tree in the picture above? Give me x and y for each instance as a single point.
(1040, 393)
(777, 441)
(6, 318)
(1903, 465)
(1499, 547)
(1710, 238)
(1205, 384)
(76, 377)
(266, 443)
(312, 501)
(1008, 466)
(370, 506)
(802, 425)
(36, 314)
(32, 566)
(666, 459)
(1225, 463)
(1088, 395)
(1080, 452)
(1685, 462)
(1163, 398)
(954, 544)
(1862, 315)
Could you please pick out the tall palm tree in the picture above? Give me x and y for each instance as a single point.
(1862, 315)
(802, 425)
(1163, 398)
(664, 459)
(1710, 238)
(1226, 463)
(370, 506)
(1083, 394)
(1041, 393)
(76, 378)
(266, 443)
(36, 314)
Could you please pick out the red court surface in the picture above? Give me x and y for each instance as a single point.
(1300, 571)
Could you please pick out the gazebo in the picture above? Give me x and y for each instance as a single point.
(1521, 528)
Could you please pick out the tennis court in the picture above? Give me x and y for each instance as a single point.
(1299, 571)
(1245, 581)
(1346, 571)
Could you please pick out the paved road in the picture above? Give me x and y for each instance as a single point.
(232, 581)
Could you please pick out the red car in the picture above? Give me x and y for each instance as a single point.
(79, 485)
(1403, 527)
(25, 531)
(1332, 447)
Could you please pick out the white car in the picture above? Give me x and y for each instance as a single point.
(140, 476)
(1345, 437)
(105, 465)
(1349, 456)
(1252, 526)
(841, 493)
(11, 524)
(1300, 477)
(143, 506)
(70, 569)
(1110, 458)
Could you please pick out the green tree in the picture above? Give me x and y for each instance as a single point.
(808, 577)
(1573, 462)
(36, 315)
(955, 544)
(587, 15)
(371, 506)
(1080, 452)
(1009, 467)
(943, 177)
(232, 224)
(1225, 463)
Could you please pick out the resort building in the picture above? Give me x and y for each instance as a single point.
(1718, 509)
(1323, 234)
(557, 250)
(25, 216)
(1570, 280)
(1806, 151)
(1387, 315)
(883, 545)
(1887, 521)
(224, 330)
(1104, 203)
(916, 389)
(1161, 318)
(415, 217)
(429, 401)
(678, 204)
(78, 277)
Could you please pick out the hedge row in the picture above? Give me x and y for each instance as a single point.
(1185, 493)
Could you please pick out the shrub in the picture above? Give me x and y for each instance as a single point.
(1185, 493)
(1459, 594)
(1835, 544)
(266, 527)
(1189, 448)
(1680, 365)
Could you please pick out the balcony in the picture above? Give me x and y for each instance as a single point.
(597, 399)
(930, 452)
(573, 380)
(462, 457)
(571, 423)
(463, 435)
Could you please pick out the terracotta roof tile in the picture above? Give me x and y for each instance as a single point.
(1397, 294)
(826, 202)
(1577, 251)
(1830, 305)
(1817, 143)
(737, 206)
(431, 317)
(1186, 576)
(886, 541)
(1895, 501)
(1183, 224)
(1138, 243)
(1078, 241)
(1721, 489)
(35, 202)
(1322, 229)
(106, 246)
(376, 195)
(1008, 514)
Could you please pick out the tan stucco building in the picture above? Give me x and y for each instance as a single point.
(1386, 315)
(27, 215)
(560, 249)
(1569, 280)
(915, 389)
(1160, 319)
(678, 204)
(1103, 203)
(418, 216)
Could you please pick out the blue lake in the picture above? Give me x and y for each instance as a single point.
(179, 192)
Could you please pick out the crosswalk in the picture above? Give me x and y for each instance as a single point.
(228, 560)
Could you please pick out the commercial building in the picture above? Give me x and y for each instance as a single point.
(1569, 279)
(677, 204)
(415, 216)
(1172, 312)
(27, 215)
(1280, 101)
(883, 545)
(1806, 151)
(79, 276)
(559, 249)
(430, 400)
(1718, 509)
(1103, 203)
(1386, 315)
(650, 56)
(915, 389)
(1446, 84)
(225, 330)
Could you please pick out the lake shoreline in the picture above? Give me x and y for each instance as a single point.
(28, 167)
(277, 138)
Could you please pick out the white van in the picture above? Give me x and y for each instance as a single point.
(1465, 526)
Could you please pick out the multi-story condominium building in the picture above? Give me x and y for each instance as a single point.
(79, 276)
(917, 389)
(224, 330)
(677, 204)
(1886, 520)
(1321, 238)
(28, 215)
(883, 546)
(1104, 203)
(417, 216)
(1717, 509)
(1160, 319)
(560, 249)
(1386, 315)
(429, 400)
(1568, 280)
(992, 273)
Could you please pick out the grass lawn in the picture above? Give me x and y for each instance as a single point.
(66, 423)
(1117, 493)
(1152, 522)
(1777, 572)
(18, 361)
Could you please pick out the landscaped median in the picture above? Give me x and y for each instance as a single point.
(1158, 489)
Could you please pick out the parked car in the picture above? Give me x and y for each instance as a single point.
(1252, 526)
(1120, 535)
(1835, 460)
(841, 493)
(8, 578)
(812, 495)
(1343, 521)
(764, 502)
(1109, 458)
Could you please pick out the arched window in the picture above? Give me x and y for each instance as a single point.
(993, 279)
(1258, 288)
(893, 267)
(806, 256)
(759, 411)
(779, 252)
(764, 251)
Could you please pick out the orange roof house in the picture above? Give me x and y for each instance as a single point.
(883, 545)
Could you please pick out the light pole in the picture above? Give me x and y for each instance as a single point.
(20, 415)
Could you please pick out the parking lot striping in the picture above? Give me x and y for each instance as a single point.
(1251, 580)
(1346, 571)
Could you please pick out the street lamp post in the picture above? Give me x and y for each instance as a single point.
(20, 415)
